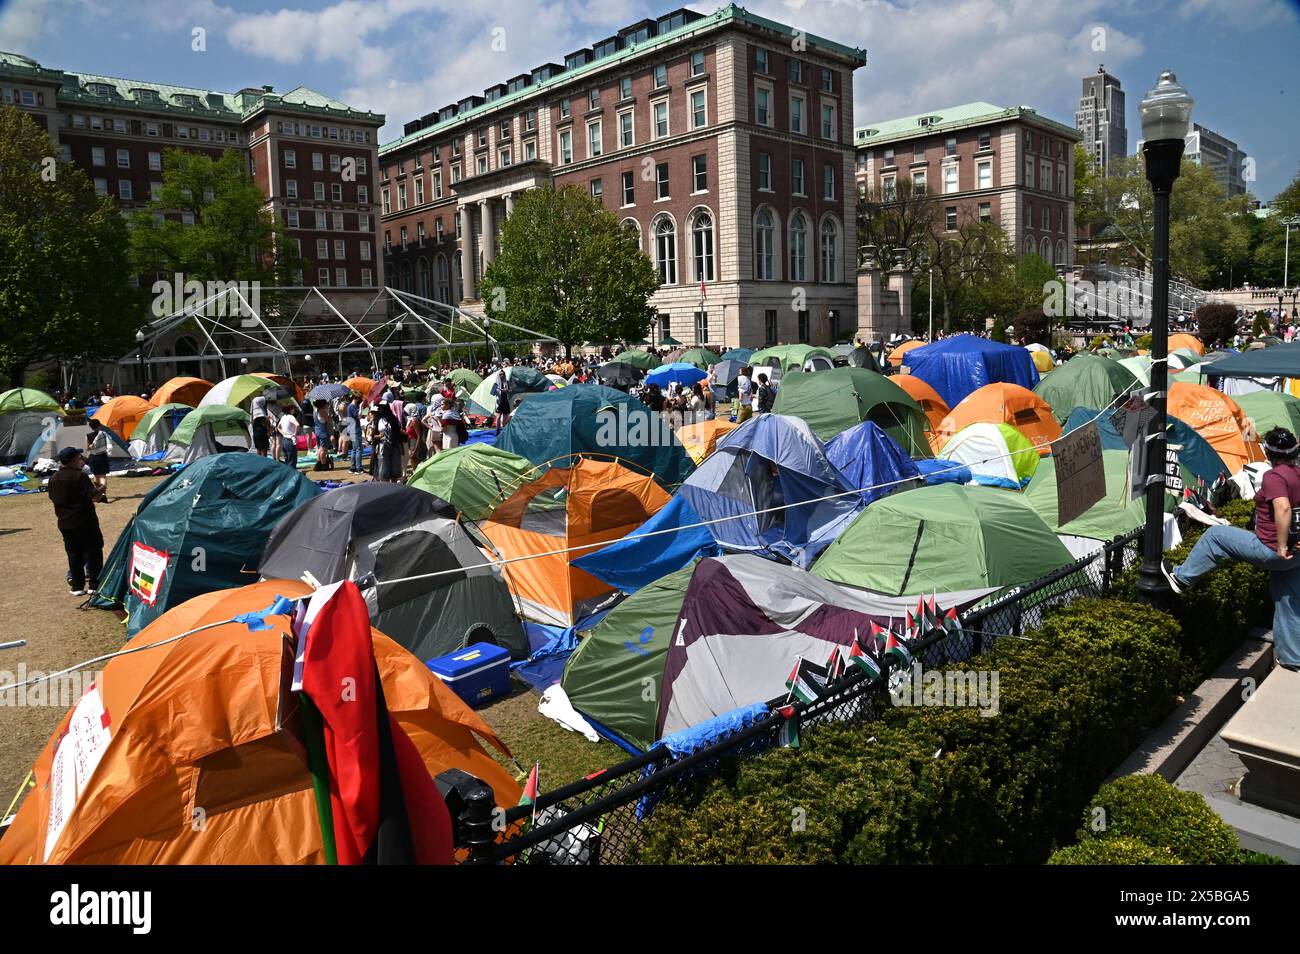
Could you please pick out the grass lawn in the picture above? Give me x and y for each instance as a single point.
(564, 756)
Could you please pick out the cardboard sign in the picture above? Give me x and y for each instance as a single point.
(1080, 475)
(148, 567)
(75, 758)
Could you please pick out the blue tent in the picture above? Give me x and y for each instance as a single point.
(961, 364)
(868, 457)
(768, 464)
(550, 427)
(637, 559)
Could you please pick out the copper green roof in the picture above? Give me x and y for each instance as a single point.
(81, 88)
(949, 118)
(730, 14)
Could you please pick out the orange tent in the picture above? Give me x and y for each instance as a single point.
(289, 384)
(896, 356)
(181, 391)
(122, 414)
(360, 385)
(1002, 403)
(191, 768)
(924, 395)
(1220, 420)
(1186, 341)
(592, 502)
(701, 438)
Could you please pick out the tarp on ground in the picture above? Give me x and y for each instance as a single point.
(961, 364)
(1086, 380)
(833, 401)
(943, 538)
(869, 458)
(193, 723)
(473, 478)
(768, 476)
(201, 529)
(592, 419)
(648, 553)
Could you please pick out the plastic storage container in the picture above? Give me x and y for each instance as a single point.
(478, 674)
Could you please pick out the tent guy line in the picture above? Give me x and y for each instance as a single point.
(740, 516)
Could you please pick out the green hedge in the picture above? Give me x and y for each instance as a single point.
(1148, 809)
(1114, 851)
(946, 785)
(1216, 613)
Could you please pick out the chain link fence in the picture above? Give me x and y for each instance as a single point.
(598, 819)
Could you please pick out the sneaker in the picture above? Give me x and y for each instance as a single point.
(1168, 573)
(76, 592)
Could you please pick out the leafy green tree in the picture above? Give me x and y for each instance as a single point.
(234, 237)
(64, 276)
(1216, 324)
(903, 219)
(568, 269)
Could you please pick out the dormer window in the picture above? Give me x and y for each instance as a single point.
(145, 95)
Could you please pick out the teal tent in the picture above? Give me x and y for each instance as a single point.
(592, 419)
(202, 529)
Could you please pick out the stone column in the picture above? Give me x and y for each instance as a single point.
(510, 203)
(869, 301)
(466, 254)
(487, 234)
(900, 280)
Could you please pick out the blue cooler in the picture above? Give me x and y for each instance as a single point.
(477, 673)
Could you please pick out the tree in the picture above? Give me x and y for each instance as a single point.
(1216, 324)
(970, 267)
(569, 270)
(905, 218)
(1089, 214)
(64, 278)
(232, 238)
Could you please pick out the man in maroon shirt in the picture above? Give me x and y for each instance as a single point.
(1270, 547)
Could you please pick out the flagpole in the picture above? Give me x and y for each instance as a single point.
(794, 680)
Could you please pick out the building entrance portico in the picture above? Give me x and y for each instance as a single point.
(483, 203)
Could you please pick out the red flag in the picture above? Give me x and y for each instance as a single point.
(385, 805)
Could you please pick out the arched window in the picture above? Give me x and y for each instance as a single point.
(764, 246)
(798, 248)
(422, 278)
(702, 246)
(444, 285)
(1061, 258)
(1045, 250)
(406, 277)
(830, 251)
(1029, 245)
(633, 226)
(666, 251)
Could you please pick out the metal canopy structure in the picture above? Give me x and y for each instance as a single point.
(235, 328)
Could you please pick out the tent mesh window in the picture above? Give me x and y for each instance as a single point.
(597, 820)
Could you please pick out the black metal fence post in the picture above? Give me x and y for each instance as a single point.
(476, 824)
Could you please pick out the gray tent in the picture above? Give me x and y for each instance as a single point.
(376, 533)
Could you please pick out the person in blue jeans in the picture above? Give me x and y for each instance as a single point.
(354, 423)
(1268, 547)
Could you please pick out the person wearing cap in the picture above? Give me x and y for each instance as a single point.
(1270, 546)
(74, 495)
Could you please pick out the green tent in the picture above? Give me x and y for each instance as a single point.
(472, 477)
(788, 357)
(1270, 409)
(702, 358)
(522, 381)
(1140, 366)
(638, 359)
(833, 401)
(1186, 356)
(1117, 513)
(464, 378)
(224, 419)
(156, 416)
(610, 674)
(943, 538)
(209, 521)
(1086, 380)
(27, 399)
(998, 455)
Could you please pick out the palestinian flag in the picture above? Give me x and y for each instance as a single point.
(383, 806)
(530, 787)
(834, 665)
(952, 622)
(896, 647)
(863, 660)
(806, 682)
(788, 735)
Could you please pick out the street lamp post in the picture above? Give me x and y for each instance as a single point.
(139, 344)
(398, 328)
(1286, 255)
(1166, 114)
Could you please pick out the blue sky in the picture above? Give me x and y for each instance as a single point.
(1238, 58)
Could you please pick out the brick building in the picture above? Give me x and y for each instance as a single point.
(981, 162)
(724, 140)
(297, 145)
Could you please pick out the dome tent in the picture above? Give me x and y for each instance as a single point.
(27, 417)
(961, 364)
(373, 533)
(153, 433)
(471, 478)
(833, 401)
(122, 414)
(196, 435)
(1002, 403)
(931, 404)
(1220, 420)
(871, 461)
(201, 529)
(1086, 380)
(788, 358)
(181, 390)
(998, 455)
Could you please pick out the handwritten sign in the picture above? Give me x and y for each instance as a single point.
(1080, 475)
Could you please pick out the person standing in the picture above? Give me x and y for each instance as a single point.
(261, 426)
(453, 424)
(386, 444)
(354, 424)
(322, 432)
(765, 395)
(98, 444)
(745, 395)
(502, 390)
(74, 495)
(1271, 546)
(288, 429)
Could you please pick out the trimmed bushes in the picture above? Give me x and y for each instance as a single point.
(1142, 820)
(946, 785)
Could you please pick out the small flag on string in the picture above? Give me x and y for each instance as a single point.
(806, 681)
(862, 659)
